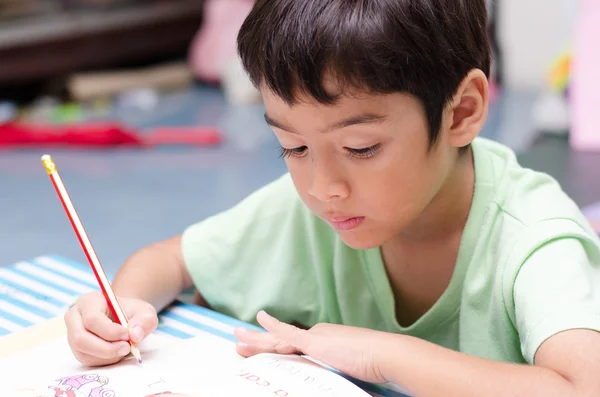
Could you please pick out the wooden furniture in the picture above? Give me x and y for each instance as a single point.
(57, 44)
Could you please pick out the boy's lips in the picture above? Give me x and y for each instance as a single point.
(344, 222)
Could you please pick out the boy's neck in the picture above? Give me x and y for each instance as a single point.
(420, 262)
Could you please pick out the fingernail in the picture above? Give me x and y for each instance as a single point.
(138, 333)
(124, 350)
(243, 348)
(240, 331)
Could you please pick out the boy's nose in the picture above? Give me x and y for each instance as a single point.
(326, 185)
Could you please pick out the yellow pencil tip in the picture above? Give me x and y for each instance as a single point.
(48, 164)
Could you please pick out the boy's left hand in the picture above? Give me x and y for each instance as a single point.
(354, 351)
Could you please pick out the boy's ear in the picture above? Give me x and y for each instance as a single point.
(467, 111)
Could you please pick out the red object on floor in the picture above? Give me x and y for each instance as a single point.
(196, 136)
(102, 135)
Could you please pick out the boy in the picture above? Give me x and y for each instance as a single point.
(415, 252)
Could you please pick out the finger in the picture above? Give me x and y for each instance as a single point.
(246, 335)
(73, 321)
(93, 302)
(143, 322)
(287, 333)
(102, 326)
(92, 361)
(89, 343)
(97, 317)
(82, 341)
(262, 342)
(246, 350)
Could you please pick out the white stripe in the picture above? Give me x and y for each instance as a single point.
(180, 326)
(29, 299)
(53, 278)
(190, 315)
(163, 333)
(4, 323)
(38, 287)
(63, 268)
(19, 312)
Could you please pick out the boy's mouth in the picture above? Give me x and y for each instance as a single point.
(344, 223)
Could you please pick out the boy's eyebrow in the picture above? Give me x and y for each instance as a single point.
(366, 118)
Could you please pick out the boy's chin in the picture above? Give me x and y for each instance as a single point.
(359, 241)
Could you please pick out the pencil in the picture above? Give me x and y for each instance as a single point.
(88, 249)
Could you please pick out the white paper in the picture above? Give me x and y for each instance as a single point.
(52, 370)
(289, 376)
(204, 366)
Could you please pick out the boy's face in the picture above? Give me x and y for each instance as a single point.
(363, 165)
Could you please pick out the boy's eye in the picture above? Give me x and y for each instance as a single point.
(364, 153)
(297, 151)
(361, 153)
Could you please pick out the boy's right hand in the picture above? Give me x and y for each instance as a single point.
(93, 336)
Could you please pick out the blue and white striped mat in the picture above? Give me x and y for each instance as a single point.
(36, 290)
(42, 288)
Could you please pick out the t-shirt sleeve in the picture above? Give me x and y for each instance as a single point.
(557, 289)
(262, 254)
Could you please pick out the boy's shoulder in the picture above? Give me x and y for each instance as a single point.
(520, 211)
(532, 264)
(526, 196)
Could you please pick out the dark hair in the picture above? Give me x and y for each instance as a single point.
(422, 47)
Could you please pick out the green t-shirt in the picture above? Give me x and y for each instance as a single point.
(528, 265)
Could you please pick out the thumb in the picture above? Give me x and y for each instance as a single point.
(143, 322)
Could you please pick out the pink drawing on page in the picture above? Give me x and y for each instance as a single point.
(88, 385)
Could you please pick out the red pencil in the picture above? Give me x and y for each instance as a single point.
(88, 249)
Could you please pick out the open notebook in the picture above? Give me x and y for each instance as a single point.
(204, 366)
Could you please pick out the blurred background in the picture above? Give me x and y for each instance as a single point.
(153, 125)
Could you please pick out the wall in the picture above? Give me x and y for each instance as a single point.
(532, 34)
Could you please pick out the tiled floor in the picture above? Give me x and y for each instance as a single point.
(127, 199)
